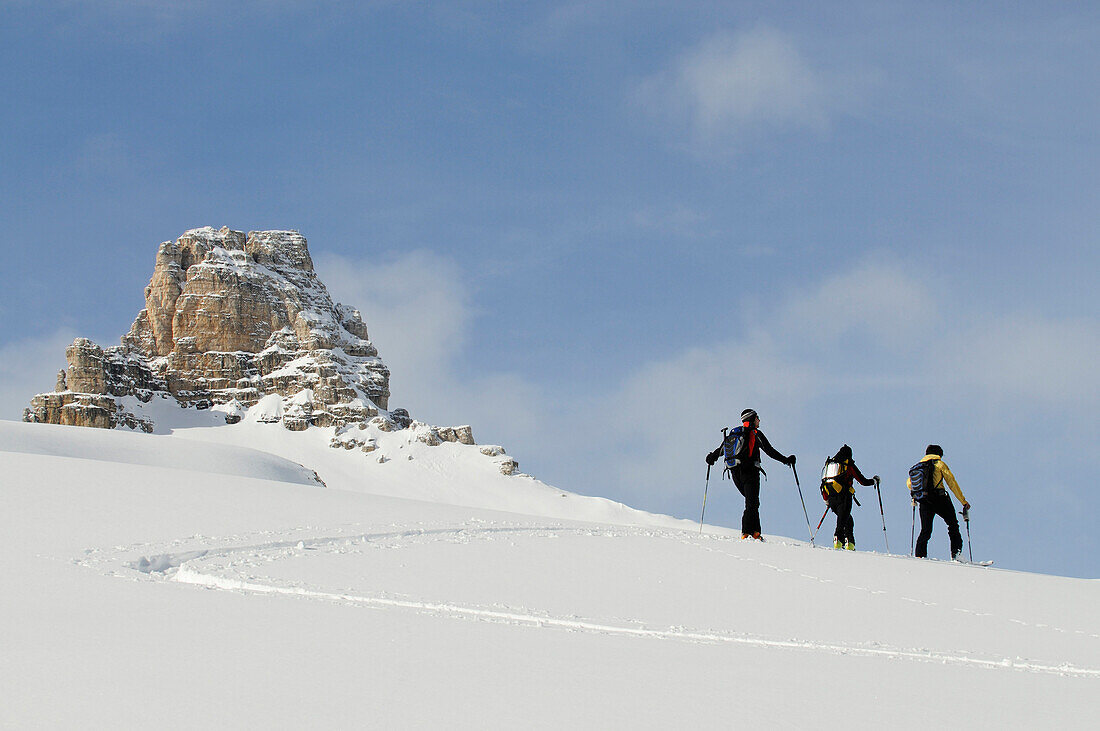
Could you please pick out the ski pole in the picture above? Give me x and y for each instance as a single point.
(966, 517)
(705, 488)
(808, 530)
(883, 514)
(913, 531)
(821, 521)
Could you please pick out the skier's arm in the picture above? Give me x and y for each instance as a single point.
(859, 476)
(713, 456)
(945, 474)
(767, 447)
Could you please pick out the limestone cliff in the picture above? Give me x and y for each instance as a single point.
(241, 325)
(229, 317)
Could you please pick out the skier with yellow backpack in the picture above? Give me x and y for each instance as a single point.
(838, 490)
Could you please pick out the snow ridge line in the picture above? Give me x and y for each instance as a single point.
(187, 575)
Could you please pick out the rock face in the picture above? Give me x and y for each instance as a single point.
(240, 322)
(229, 317)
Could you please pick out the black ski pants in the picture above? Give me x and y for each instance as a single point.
(747, 479)
(841, 504)
(938, 503)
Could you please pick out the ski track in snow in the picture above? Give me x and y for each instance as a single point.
(184, 566)
(914, 600)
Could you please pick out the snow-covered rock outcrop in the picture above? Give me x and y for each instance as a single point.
(229, 317)
(234, 321)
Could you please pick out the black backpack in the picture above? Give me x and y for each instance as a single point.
(735, 446)
(921, 476)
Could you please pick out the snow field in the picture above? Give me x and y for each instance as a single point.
(632, 582)
(121, 447)
(141, 593)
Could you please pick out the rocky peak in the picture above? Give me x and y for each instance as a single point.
(228, 317)
(240, 323)
(230, 292)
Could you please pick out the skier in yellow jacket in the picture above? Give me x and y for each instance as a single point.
(932, 498)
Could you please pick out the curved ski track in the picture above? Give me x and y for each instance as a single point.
(185, 567)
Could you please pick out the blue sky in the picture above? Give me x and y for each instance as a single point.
(597, 231)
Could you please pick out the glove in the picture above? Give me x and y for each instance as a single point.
(711, 459)
(790, 461)
(877, 479)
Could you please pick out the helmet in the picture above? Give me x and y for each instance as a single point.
(749, 415)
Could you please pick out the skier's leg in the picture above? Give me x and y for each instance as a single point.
(740, 481)
(850, 523)
(750, 521)
(927, 515)
(946, 510)
(838, 534)
(834, 505)
(843, 516)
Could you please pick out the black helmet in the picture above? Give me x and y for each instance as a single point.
(934, 449)
(748, 415)
(843, 453)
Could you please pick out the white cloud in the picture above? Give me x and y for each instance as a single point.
(416, 307)
(885, 311)
(419, 313)
(882, 303)
(28, 367)
(730, 85)
(1027, 361)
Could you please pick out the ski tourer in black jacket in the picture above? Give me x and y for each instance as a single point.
(746, 476)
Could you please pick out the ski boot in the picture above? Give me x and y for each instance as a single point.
(838, 544)
(850, 545)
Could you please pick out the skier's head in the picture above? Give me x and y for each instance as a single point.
(934, 449)
(749, 415)
(844, 453)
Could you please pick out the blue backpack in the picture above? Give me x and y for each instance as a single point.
(920, 478)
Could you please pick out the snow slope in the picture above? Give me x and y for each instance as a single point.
(121, 447)
(401, 466)
(146, 588)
